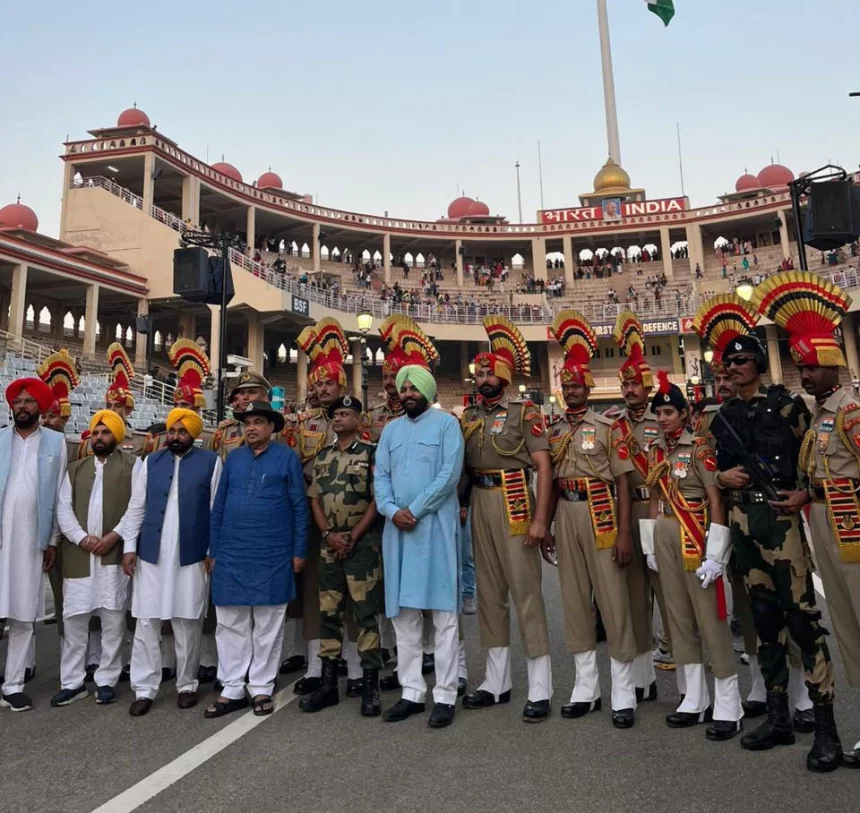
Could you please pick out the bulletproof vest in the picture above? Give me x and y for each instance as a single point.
(763, 431)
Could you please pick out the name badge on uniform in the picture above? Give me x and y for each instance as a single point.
(588, 435)
(651, 433)
(823, 434)
(498, 423)
(680, 466)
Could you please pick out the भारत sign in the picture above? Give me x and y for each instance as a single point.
(613, 210)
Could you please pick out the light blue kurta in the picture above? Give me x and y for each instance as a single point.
(418, 466)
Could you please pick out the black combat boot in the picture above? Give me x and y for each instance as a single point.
(327, 694)
(370, 705)
(776, 730)
(826, 752)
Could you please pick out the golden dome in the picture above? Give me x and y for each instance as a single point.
(612, 178)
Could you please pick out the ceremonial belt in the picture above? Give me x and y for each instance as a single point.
(640, 494)
(600, 497)
(843, 513)
(744, 497)
(514, 486)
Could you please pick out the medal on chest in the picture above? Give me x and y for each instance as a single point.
(498, 423)
(681, 464)
(823, 434)
(651, 433)
(588, 435)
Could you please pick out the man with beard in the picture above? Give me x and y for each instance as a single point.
(719, 321)
(505, 439)
(770, 550)
(96, 522)
(810, 311)
(591, 506)
(633, 433)
(32, 467)
(418, 465)
(172, 497)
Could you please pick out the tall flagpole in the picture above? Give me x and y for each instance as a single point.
(608, 83)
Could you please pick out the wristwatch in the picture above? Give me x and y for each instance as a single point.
(326, 533)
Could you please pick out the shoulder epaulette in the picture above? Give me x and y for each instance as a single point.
(603, 419)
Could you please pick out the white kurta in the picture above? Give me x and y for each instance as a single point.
(167, 590)
(22, 582)
(107, 586)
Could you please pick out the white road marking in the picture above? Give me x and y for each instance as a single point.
(149, 787)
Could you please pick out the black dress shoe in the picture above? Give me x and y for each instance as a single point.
(353, 687)
(342, 668)
(442, 715)
(292, 664)
(641, 697)
(623, 718)
(167, 674)
(389, 683)
(124, 675)
(826, 752)
(536, 711)
(207, 674)
(573, 711)
(386, 656)
(804, 721)
(687, 719)
(851, 759)
(29, 674)
(401, 710)
(754, 708)
(306, 685)
(428, 664)
(721, 730)
(481, 699)
(461, 686)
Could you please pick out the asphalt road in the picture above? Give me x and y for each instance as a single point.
(76, 759)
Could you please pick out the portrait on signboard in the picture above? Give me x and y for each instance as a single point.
(611, 210)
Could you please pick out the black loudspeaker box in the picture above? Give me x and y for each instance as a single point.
(833, 216)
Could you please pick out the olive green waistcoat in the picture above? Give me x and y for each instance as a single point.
(116, 493)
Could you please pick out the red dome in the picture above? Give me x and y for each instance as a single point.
(229, 170)
(747, 182)
(478, 209)
(133, 117)
(270, 180)
(775, 176)
(459, 207)
(19, 216)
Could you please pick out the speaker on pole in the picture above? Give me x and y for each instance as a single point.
(197, 276)
(833, 215)
(143, 325)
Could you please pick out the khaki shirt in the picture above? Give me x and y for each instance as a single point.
(158, 440)
(131, 444)
(832, 447)
(228, 436)
(692, 466)
(703, 421)
(586, 450)
(636, 447)
(503, 436)
(380, 416)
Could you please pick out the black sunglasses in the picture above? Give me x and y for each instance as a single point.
(738, 361)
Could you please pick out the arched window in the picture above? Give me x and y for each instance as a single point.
(282, 353)
(157, 341)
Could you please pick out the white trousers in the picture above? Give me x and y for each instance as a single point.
(409, 629)
(147, 659)
(727, 695)
(294, 639)
(462, 672)
(497, 674)
(586, 688)
(387, 639)
(643, 671)
(249, 641)
(314, 661)
(20, 639)
(73, 661)
(798, 694)
(353, 661)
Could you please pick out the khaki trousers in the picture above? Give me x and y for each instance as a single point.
(842, 587)
(504, 566)
(581, 568)
(692, 611)
(640, 583)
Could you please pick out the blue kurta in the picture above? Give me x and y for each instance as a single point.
(418, 466)
(259, 523)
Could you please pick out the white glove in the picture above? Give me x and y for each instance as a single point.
(718, 546)
(646, 534)
(651, 561)
(709, 572)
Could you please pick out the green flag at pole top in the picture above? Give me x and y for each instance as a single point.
(664, 9)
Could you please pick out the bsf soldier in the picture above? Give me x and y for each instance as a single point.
(810, 308)
(192, 366)
(591, 507)
(118, 399)
(770, 423)
(350, 566)
(504, 440)
(687, 520)
(633, 434)
(248, 387)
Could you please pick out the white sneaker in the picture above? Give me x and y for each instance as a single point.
(469, 606)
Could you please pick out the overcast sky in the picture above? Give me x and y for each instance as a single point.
(392, 106)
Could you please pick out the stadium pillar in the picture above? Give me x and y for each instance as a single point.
(773, 360)
(18, 300)
(539, 258)
(191, 200)
(315, 246)
(666, 251)
(215, 338)
(148, 183)
(301, 378)
(91, 317)
(357, 348)
(141, 343)
(256, 341)
(251, 229)
(386, 257)
(567, 247)
(695, 250)
(849, 337)
(458, 258)
(783, 234)
(186, 325)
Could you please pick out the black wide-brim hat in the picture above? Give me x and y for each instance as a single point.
(263, 408)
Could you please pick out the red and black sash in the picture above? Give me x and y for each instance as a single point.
(640, 458)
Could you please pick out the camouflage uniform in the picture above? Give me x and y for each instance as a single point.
(769, 548)
(343, 484)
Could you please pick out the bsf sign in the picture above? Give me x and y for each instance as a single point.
(301, 306)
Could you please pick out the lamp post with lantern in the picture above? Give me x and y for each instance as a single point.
(365, 323)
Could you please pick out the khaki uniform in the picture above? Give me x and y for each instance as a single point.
(131, 444)
(158, 440)
(832, 459)
(380, 416)
(692, 613)
(583, 460)
(631, 440)
(499, 442)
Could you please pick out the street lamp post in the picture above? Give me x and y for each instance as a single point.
(365, 323)
(519, 195)
(552, 407)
